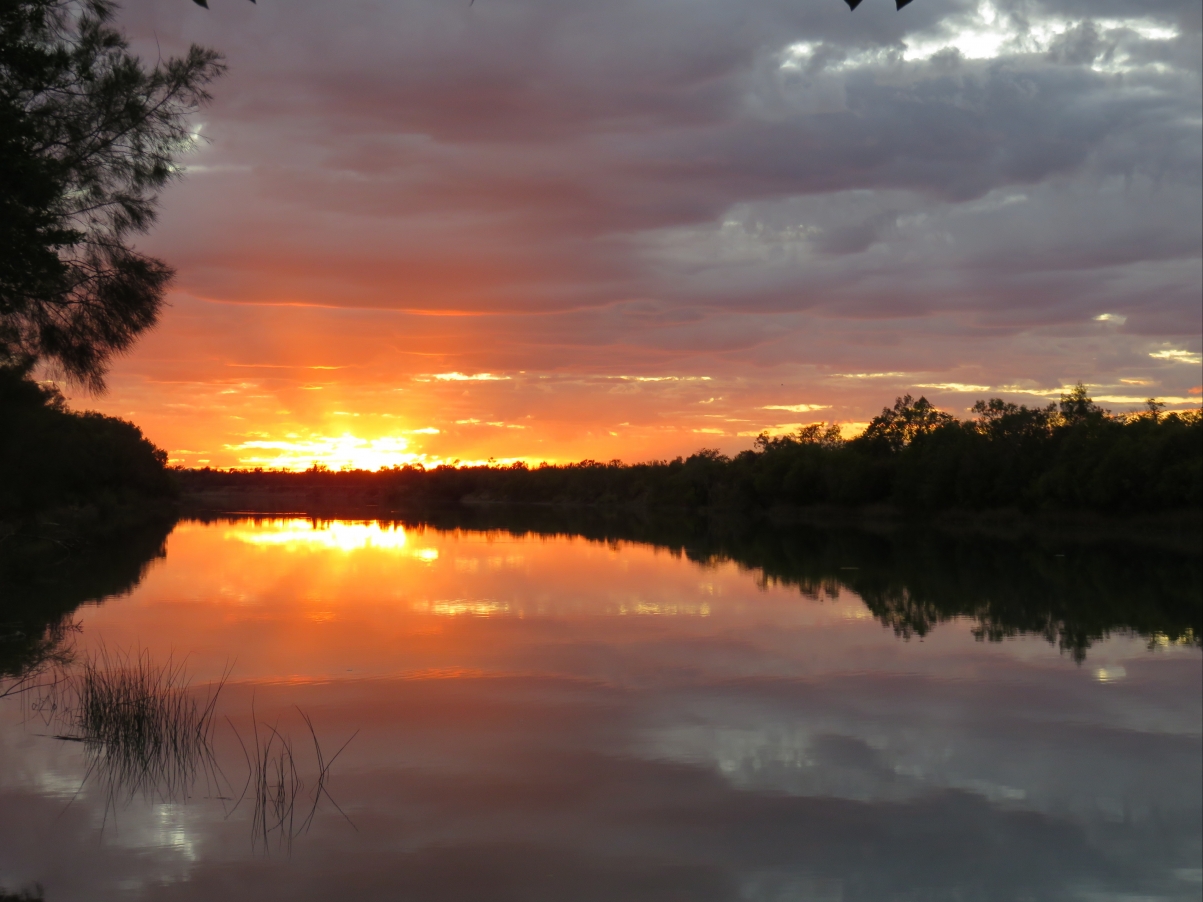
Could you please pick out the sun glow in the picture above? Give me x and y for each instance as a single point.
(344, 451)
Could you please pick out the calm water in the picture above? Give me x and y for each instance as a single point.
(551, 717)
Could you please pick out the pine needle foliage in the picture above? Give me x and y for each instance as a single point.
(89, 134)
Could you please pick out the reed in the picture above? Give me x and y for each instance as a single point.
(279, 788)
(144, 729)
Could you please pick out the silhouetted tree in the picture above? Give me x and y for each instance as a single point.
(88, 135)
(913, 456)
(896, 427)
(852, 4)
(1078, 407)
(54, 459)
(821, 435)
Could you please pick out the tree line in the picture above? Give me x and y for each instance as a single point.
(89, 134)
(1072, 455)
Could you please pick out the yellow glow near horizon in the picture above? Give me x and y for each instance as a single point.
(344, 451)
(336, 535)
(349, 452)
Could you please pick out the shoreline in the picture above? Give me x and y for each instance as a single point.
(1180, 529)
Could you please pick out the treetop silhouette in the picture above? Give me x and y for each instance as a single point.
(88, 136)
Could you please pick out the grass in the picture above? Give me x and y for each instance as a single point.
(279, 786)
(145, 731)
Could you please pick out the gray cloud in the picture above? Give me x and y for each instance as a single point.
(724, 186)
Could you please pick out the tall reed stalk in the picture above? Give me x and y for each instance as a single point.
(278, 785)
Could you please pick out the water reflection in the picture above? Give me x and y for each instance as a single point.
(40, 592)
(1070, 591)
(717, 714)
(142, 729)
(293, 534)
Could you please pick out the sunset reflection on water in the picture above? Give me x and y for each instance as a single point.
(553, 717)
(336, 535)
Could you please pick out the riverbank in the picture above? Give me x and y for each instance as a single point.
(71, 528)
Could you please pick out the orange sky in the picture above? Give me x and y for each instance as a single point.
(313, 388)
(413, 232)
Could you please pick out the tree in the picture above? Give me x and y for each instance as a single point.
(88, 136)
(1078, 407)
(1001, 420)
(895, 428)
(819, 435)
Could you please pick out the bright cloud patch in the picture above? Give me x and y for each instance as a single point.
(664, 378)
(953, 386)
(797, 408)
(1177, 356)
(464, 377)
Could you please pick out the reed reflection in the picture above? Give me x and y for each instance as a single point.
(143, 730)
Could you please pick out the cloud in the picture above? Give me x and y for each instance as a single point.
(664, 379)
(953, 386)
(1178, 356)
(462, 377)
(767, 193)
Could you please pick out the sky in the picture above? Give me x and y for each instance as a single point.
(425, 231)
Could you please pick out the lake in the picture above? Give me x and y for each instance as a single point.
(595, 712)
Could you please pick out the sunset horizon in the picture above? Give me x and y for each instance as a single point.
(420, 234)
(636, 451)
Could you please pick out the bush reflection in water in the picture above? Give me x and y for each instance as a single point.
(1072, 589)
(1069, 586)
